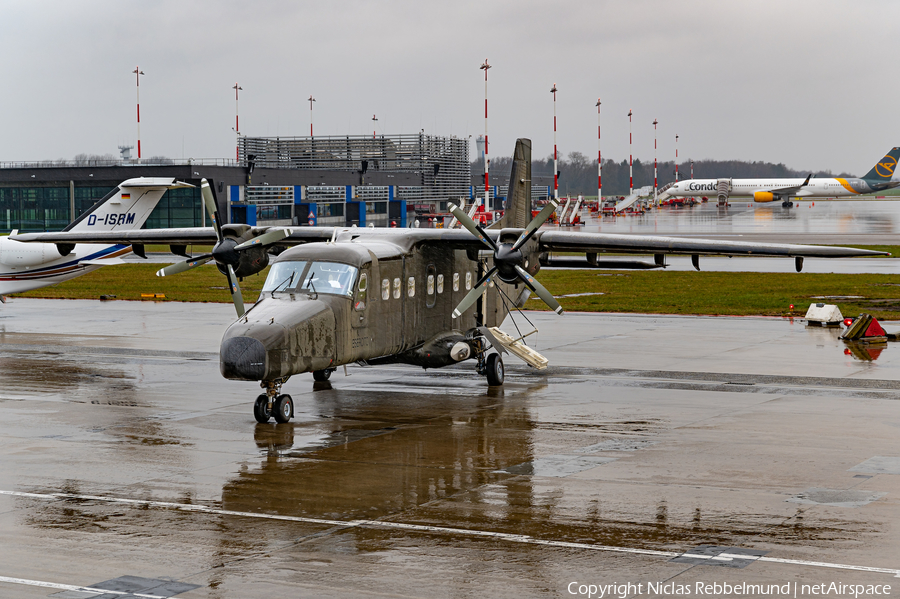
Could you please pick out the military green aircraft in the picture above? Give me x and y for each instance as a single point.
(427, 297)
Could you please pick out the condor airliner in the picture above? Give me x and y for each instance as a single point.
(27, 266)
(770, 190)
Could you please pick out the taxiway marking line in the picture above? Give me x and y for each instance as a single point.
(70, 587)
(444, 530)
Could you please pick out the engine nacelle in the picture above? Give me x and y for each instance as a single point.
(250, 261)
(442, 350)
(763, 196)
(16, 253)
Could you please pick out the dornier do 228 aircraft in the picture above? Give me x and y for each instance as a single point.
(879, 178)
(427, 297)
(27, 266)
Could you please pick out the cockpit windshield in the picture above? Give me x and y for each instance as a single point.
(284, 276)
(314, 277)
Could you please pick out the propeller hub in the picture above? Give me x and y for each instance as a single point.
(224, 252)
(506, 259)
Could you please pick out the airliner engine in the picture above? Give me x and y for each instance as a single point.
(763, 196)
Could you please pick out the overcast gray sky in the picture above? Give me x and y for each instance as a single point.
(810, 83)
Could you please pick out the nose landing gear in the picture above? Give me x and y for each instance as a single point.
(272, 403)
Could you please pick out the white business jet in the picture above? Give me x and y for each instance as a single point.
(27, 266)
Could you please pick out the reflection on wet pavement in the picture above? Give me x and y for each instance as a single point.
(395, 478)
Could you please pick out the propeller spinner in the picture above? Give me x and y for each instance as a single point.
(226, 252)
(508, 259)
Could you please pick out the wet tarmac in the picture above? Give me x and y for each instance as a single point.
(655, 448)
(829, 221)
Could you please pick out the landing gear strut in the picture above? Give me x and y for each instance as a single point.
(489, 365)
(273, 403)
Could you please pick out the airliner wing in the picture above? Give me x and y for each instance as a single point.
(783, 191)
(568, 241)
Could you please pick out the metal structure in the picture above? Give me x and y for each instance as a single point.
(630, 154)
(553, 91)
(440, 164)
(655, 184)
(137, 74)
(485, 68)
(599, 158)
(676, 158)
(237, 124)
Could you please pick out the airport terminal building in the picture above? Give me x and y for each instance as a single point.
(322, 180)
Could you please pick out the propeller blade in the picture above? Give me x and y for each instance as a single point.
(267, 238)
(211, 209)
(178, 267)
(542, 292)
(472, 226)
(235, 292)
(536, 223)
(473, 295)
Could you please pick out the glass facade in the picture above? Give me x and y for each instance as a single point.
(34, 208)
(47, 208)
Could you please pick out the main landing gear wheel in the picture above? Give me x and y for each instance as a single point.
(283, 408)
(494, 370)
(322, 375)
(787, 204)
(261, 409)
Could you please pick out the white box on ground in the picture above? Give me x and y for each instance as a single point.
(824, 314)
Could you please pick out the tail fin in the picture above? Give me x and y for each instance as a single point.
(884, 170)
(127, 206)
(518, 199)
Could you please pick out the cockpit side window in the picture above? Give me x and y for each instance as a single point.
(361, 292)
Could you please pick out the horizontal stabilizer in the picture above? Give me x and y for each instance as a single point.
(521, 351)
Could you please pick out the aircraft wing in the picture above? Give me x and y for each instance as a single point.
(184, 236)
(783, 191)
(549, 241)
(569, 241)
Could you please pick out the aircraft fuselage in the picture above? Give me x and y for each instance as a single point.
(395, 306)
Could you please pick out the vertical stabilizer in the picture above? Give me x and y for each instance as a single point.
(518, 199)
(126, 207)
(884, 170)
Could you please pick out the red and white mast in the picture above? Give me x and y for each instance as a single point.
(138, 72)
(374, 120)
(237, 124)
(655, 122)
(555, 169)
(630, 172)
(487, 163)
(676, 158)
(311, 100)
(599, 160)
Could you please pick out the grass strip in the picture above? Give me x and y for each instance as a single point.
(654, 292)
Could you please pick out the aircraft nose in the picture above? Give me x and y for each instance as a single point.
(242, 358)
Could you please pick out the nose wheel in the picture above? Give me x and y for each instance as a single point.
(261, 409)
(273, 404)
